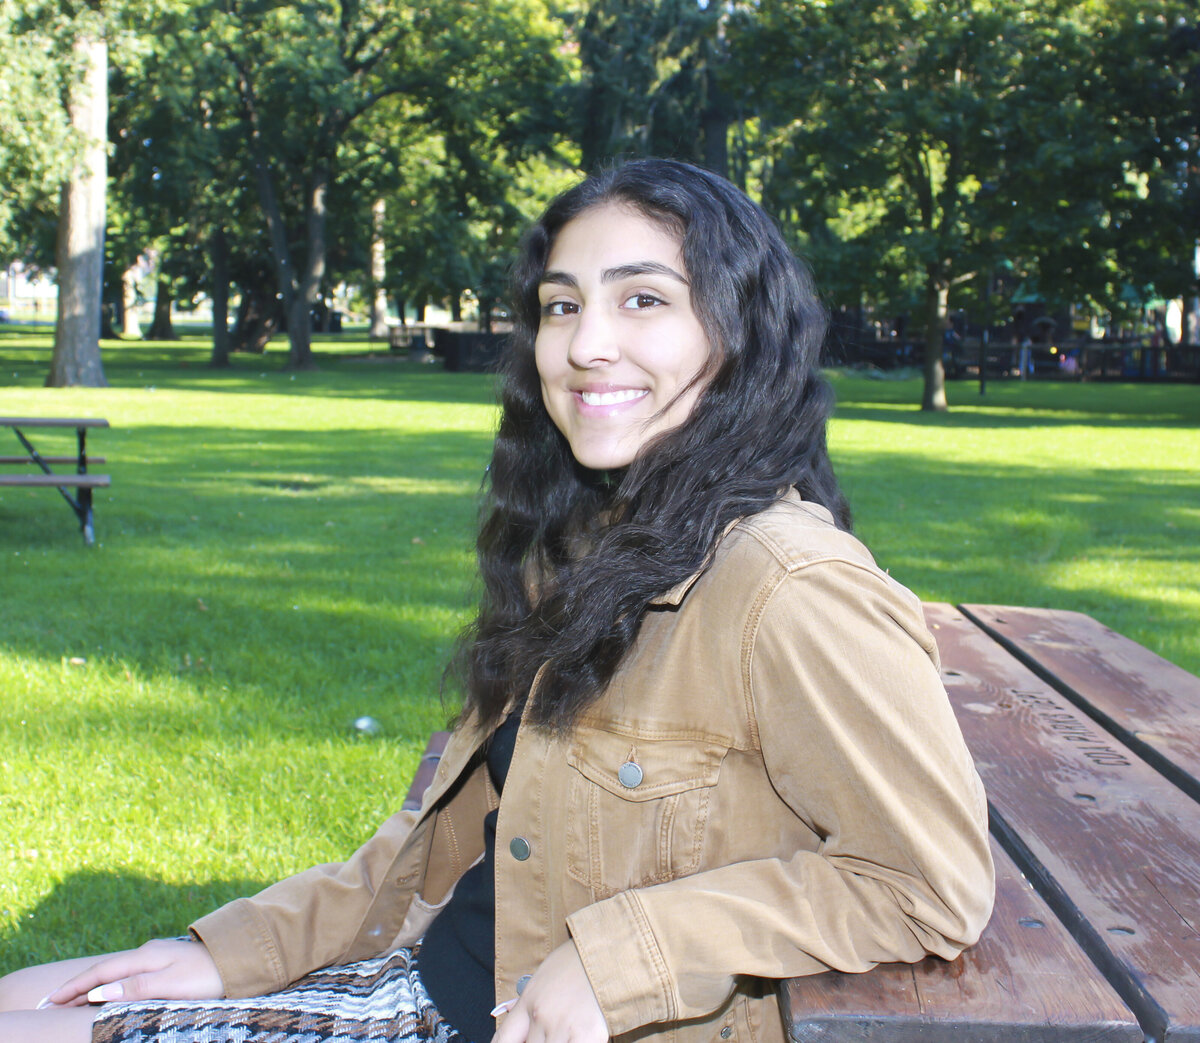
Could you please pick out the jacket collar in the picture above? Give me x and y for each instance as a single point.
(675, 595)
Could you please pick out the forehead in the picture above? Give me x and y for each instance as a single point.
(612, 235)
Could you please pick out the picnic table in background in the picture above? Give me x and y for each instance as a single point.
(80, 479)
(1089, 746)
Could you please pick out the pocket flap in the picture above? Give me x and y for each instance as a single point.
(638, 769)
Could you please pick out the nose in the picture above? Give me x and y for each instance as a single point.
(594, 340)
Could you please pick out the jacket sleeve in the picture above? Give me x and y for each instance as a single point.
(859, 740)
(262, 944)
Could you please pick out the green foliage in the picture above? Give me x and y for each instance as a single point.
(1049, 135)
(38, 147)
(464, 166)
(1132, 129)
(293, 120)
(650, 80)
(38, 68)
(911, 148)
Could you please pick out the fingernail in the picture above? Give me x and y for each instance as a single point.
(44, 1003)
(503, 1008)
(104, 993)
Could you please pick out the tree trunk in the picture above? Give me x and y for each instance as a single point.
(130, 328)
(300, 313)
(79, 252)
(220, 300)
(715, 119)
(937, 301)
(299, 332)
(296, 310)
(716, 141)
(297, 292)
(257, 320)
(379, 326)
(110, 307)
(161, 328)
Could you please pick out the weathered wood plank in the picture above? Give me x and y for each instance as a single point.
(1025, 981)
(425, 770)
(1111, 844)
(89, 481)
(1151, 704)
(52, 421)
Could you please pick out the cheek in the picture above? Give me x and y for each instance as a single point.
(548, 376)
(544, 358)
(695, 359)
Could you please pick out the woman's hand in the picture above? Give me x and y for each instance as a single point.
(557, 1006)
(160, 970)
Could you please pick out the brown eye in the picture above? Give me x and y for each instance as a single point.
(640, 301)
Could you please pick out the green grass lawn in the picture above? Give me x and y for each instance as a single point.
(282, 553)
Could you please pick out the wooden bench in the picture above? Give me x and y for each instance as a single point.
(81, 480)
(417, 335)
(1089, 746)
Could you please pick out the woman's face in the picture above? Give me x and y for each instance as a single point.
(618, 347)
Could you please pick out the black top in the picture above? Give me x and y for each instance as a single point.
(458, 954)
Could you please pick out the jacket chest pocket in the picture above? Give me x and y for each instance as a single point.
(637, 808)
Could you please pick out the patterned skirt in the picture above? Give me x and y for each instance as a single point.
(381, 999)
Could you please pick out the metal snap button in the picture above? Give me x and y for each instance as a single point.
(522, 981)
(629, 775)
(726, 1032)
(520, 848)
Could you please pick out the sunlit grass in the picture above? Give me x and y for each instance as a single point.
(1069, 496)
(282, 553)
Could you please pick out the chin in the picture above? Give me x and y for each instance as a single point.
(602, 459)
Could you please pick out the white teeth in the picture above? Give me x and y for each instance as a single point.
(610, 398)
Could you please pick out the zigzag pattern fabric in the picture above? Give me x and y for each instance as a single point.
(380, 1000)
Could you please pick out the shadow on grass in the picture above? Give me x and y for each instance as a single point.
(90, 913)
(265, 568)
(338, 378)
(1019, 417)
(296, 547)
(184, 365)
(1013, 404)
(1117, 543)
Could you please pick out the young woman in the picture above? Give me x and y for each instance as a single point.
(703, 745)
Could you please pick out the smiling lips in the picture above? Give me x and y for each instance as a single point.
(611, 398)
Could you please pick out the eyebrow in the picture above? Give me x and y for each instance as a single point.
(622, 271)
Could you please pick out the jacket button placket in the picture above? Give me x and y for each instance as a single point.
(524, 921)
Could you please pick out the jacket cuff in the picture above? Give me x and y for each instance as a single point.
(624, 963)
(243, 949)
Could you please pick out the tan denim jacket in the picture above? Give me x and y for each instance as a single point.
(773, 785)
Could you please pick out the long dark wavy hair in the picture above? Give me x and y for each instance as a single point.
(570, 558)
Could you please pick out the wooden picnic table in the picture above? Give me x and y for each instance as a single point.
(80, 479)
(1089, 746)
